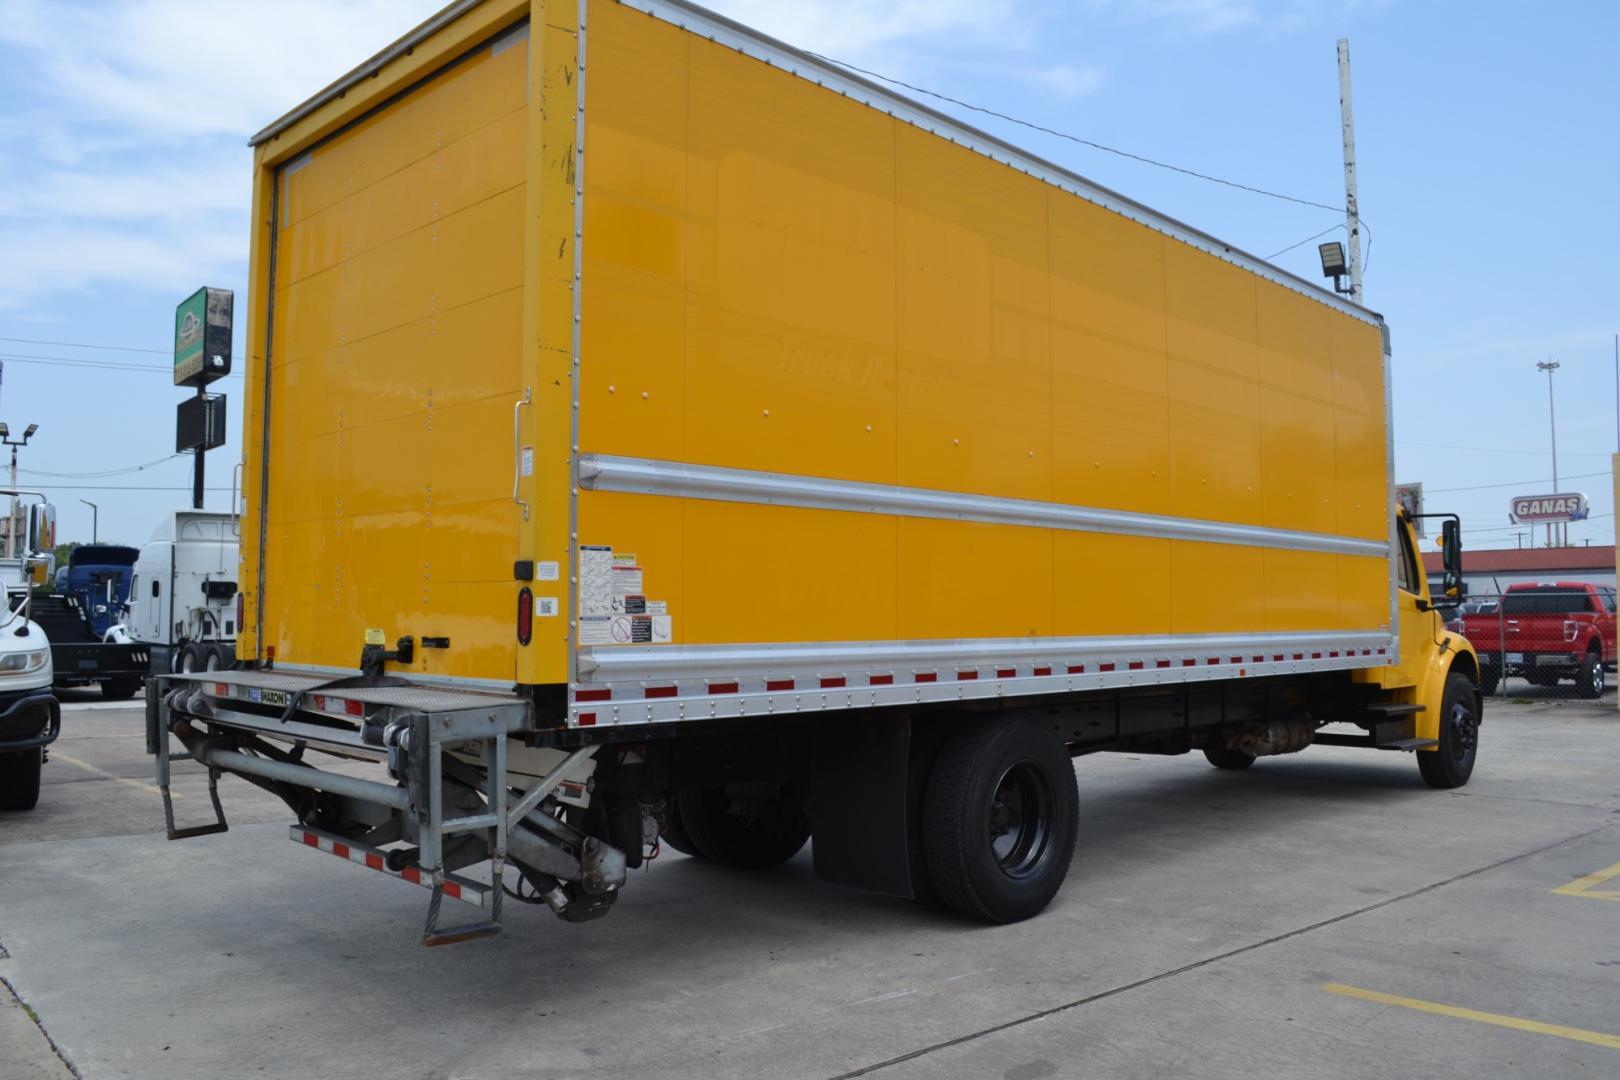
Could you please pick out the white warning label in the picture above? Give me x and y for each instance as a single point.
(663, 629)
(595, 630)
(546, 571)
(595, 581)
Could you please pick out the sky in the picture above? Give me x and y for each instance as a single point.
(1485, 139)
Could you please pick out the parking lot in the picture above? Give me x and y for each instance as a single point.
(1322, 914)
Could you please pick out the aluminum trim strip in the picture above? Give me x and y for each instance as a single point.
(602, 472)
(618, 662)
(823, 73)
(772, 691)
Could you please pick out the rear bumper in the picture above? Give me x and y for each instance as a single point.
(29, 719)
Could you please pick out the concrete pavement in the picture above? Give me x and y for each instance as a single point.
(1204, 916)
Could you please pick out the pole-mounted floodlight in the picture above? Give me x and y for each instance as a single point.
(5, 432)
(1333, 264)
(29, 434)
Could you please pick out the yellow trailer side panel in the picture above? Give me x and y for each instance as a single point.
(784, 281)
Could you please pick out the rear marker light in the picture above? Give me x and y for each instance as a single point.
(221, 690)
(778, 684)
(355, 708)
(1041, 672)
(723, 688)
(661, 691)
(239, 608)
(967, 674)
(593, 695)
(881, 680)
(1103, 667)
(927, 676)
(832, 683)
(525, 616)
(586, 719)
(1135, 665)
(1080, 669)
(1006, 673)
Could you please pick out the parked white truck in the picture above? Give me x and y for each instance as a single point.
(30, 717)
(182, 598)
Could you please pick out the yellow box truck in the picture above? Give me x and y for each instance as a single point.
(658, 436)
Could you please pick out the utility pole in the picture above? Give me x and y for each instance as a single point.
(1549, 366)
(1352, 215)
(94, 515)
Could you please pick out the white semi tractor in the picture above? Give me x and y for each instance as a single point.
(182, 597)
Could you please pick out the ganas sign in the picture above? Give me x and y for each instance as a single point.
(1539, 509)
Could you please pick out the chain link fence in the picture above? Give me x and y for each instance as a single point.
(1543, 642)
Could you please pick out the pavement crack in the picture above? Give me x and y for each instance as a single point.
(33, 1015)
(1042, 1014)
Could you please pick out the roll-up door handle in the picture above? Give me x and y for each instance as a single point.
(517, 447)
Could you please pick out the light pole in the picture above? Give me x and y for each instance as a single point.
(7, 440)
(1549, 366)
(94, 515)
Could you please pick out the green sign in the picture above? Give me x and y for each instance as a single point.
(202, 337)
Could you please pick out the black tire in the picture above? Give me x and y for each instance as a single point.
(227, 656)
(1225, 758)
(19, 779)
(673, 834)
(193, 658)
(120, 689)
(1001, 813)
(1589, 679)
(1489, 679)
(1450, 764)
(736, 827)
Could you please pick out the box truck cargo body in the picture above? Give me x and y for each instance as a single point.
(730, 435)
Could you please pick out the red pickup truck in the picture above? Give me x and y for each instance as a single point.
(1546, 632)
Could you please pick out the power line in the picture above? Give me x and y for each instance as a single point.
(99, 365)
(1083, 142)
(1307, 240)
(1500, 450)
(83, 345)
(125, 470)
(1512, 483)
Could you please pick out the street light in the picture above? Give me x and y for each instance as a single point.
(94, 515)
(1333, 264)
(1549, 366)
(7, 440)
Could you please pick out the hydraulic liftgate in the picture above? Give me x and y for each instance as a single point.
(231, 720)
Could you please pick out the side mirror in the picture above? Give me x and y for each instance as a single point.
(1451, 557)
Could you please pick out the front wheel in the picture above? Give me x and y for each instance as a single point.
(1001, 812)
(1589, 680)
(19, 779)
(1450, 764)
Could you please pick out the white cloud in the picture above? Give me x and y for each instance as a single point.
(1196, 16)
(122, 140)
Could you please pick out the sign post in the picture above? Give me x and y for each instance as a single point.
(202, 353)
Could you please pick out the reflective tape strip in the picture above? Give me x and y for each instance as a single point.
(455, 886)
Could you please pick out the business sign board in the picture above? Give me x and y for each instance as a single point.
(202, 337)
(1544, 509)
(200, 424)
(1409, 497)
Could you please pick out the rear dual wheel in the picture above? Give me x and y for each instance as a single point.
(751, 826)
(1000, 814)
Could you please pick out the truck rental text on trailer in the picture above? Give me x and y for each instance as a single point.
(658, 435)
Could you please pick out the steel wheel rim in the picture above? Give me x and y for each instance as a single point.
(1463, 729)
(1022, 808)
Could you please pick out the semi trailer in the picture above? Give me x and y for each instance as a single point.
(660, 436)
